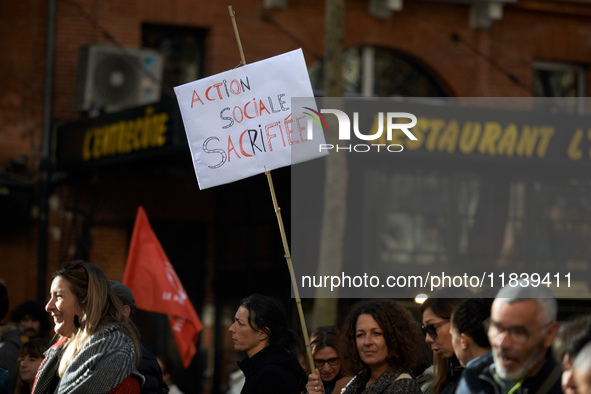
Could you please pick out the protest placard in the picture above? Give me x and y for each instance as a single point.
(239, 123)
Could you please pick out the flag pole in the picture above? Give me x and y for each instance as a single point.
(281, 226)
(291, 273)
(233, 17)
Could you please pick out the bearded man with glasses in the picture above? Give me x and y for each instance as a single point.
(521, 330)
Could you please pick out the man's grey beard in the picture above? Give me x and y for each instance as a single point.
(525, 369)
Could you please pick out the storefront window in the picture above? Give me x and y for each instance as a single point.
(439, 220)
(561, 229)
(413, 211)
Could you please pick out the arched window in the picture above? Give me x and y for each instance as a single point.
(381, 72)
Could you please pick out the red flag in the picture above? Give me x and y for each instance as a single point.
(156, 287)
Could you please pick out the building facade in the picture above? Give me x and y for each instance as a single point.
(224, 242)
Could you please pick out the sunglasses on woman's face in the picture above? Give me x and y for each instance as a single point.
(319, 363)
(431, 329)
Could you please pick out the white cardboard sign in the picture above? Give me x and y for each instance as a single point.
(240, 122)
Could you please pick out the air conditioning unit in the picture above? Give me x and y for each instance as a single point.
(114, 78)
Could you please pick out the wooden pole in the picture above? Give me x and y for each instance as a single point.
(294, 283)
(233, 17)
(281, 227)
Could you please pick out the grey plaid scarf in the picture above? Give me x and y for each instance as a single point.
(390, 382)
(104, 361)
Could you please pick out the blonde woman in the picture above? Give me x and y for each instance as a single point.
(98, 347)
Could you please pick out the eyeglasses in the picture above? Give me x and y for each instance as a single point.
(517, 334)
(319, 363)
(431, 329)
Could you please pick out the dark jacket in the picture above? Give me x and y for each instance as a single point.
(472, 371)
(5, 382)
(149, 367)
(329, 386)
(10, 343)
(272, 371)
(453, 377)
(479, 379)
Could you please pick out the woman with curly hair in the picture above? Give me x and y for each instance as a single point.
(382, 341)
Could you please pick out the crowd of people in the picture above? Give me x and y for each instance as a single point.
(507, 343)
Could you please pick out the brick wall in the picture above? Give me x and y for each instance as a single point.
(530, 30)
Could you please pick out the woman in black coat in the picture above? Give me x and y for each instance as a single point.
(260, 329)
